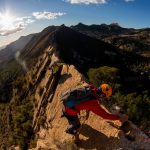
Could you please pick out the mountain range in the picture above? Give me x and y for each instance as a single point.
(128, 39)
(29, 92)
(9, 51)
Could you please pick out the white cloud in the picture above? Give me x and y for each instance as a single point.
(47, 15)
(12, 25)
(28, 21)
(87, 1)
(5, 32)
(129, 0)
(17, 24)
(24, 21)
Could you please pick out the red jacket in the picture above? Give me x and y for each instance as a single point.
(92, 105)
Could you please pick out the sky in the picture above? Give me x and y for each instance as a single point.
(23, 17)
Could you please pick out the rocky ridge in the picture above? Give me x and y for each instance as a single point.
(95, 132)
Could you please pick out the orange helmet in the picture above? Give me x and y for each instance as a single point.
(106, 89)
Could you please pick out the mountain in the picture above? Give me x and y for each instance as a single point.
(128, 39)
(71, 45)
(95, 133)
(103, 29)
(31, 116)
(10, 66)
(37, 44)
(9, 51)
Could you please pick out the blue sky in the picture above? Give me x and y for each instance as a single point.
(22, 17)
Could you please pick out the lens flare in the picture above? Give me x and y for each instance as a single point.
(6, 20)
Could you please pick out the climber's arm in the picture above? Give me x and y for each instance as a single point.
(104, 114)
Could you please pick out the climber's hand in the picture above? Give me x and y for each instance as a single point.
(123, 118)
(85, 84)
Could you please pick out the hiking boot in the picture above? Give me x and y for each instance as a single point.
(125, 127)
(73, 129)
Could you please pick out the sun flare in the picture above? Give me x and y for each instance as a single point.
(6, 20)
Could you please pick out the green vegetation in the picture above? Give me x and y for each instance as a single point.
(129, 78)
(3, 121)
(20, 116)
(8, 73)
(136, 105)
(104, 74)
(130, 44)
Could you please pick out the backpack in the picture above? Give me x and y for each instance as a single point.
(75, 96)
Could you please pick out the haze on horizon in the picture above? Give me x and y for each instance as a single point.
(20, 18)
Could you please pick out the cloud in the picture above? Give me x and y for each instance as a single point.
(129, 0)
(5, 32)
(24, 21)
(20, 61)
(17, 24)
(86, 1)
(13, 25)
(47, 15)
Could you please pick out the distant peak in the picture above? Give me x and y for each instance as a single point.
(115, 24)
(63, 25)
(81, 24)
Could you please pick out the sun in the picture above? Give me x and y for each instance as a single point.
(6, 20)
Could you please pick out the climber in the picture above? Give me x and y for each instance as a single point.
(56, 66)
(87, 98)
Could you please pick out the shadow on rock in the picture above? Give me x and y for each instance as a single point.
(64, 77)
(94, 139)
